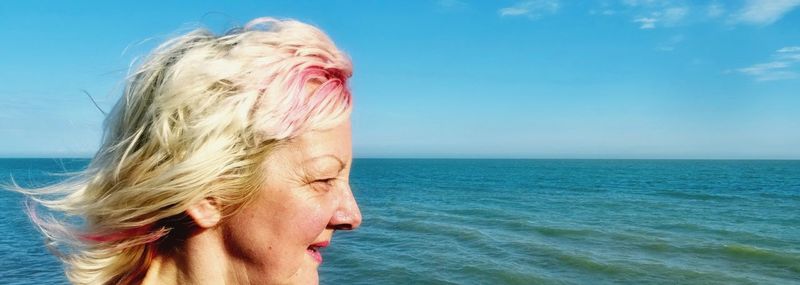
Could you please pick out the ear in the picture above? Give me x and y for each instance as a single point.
(206, 213)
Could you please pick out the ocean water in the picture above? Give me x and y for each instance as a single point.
(525, 222)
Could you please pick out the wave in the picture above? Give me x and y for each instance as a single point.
(751, 253)
(565, 232)
(695, 196)
(589, 264)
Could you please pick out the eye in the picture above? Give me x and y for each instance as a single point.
(323, 184)
(328, 181)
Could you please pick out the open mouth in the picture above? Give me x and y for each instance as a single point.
(314, 250)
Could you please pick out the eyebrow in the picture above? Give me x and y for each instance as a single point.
(342, 165)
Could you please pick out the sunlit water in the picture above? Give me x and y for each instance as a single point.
(526, 222)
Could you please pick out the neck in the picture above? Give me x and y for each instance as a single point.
(201, 259)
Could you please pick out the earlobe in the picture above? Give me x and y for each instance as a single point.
(206, 213)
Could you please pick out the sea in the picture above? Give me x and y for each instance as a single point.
(485, 221)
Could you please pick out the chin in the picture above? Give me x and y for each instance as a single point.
(314, 278)
(310, 277)
(306, 274)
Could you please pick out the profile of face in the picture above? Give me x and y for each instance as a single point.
(306, 196)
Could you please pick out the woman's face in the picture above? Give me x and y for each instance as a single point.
(305, 197)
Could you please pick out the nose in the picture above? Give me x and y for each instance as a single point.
(347, 215)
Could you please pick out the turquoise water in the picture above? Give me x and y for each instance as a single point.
(528, 222)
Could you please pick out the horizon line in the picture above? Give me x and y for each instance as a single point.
(485, 158)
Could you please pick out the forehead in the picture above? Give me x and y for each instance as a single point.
(335, 141)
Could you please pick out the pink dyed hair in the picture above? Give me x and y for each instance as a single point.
(287, 87)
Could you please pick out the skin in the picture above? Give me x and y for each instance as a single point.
(306, 196)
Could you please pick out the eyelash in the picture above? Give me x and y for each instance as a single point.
(328, 182)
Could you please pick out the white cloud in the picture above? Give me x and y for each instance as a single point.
(789, 49)
(634, 3)
(761, 68)
(674, 15)
(781, 68)
(604, 12)
(774, 75)
(671, 43)
(652, 14)
(531, 8)
(765, 12)
(646, 23)
(664, 17)
(513, 11)
(715, 10)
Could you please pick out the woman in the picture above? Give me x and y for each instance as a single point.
(226, 161)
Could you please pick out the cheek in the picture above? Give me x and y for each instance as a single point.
(252, 236)
(311, 222)
(271, 238)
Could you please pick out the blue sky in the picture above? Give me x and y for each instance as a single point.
(450, 78)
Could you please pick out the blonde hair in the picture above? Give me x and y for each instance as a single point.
(196, 120)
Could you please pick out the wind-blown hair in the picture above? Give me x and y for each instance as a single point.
(196, 120)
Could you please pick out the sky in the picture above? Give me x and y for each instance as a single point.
(453, 78)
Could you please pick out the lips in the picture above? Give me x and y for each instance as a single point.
(314, 250)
